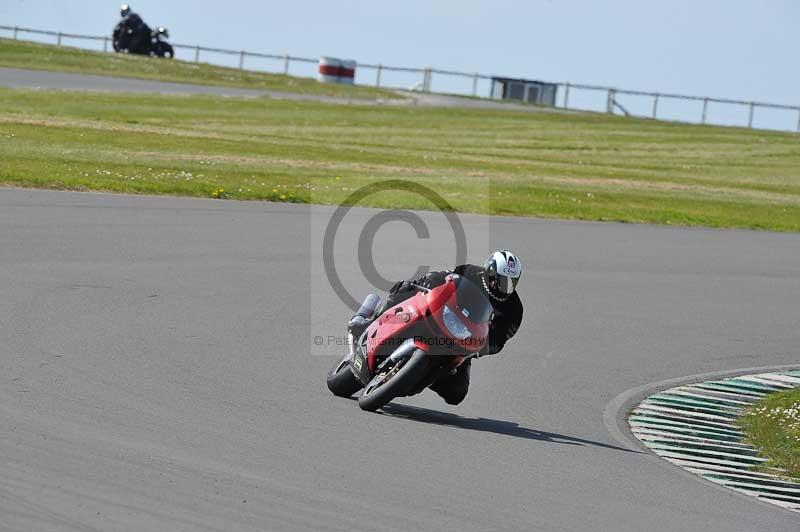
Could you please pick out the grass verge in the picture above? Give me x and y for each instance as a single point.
(773, 426)
(29, 55)
(581, 166)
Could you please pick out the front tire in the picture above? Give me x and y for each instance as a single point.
(164, 50)
(380, 393)
(341, 381)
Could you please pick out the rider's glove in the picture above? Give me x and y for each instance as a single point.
(358, 324)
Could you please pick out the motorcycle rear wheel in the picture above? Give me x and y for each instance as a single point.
(341, 381)
(380, 393)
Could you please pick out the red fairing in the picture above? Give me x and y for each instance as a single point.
(421, 317)
(479, 331)
(386, 333)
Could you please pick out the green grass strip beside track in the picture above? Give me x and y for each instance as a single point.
(772, 425)
(29, 55)
(548, 164)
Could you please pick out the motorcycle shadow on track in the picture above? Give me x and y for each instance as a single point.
(495, 426)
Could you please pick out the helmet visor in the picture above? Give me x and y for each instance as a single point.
(500, 283)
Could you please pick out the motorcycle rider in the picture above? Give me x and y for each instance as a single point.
(498, 278)
(134, 27)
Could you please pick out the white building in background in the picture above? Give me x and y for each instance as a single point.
(526, 90)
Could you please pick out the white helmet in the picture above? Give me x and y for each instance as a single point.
(124, 10)
(502, 272)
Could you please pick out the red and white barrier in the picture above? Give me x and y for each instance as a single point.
(334, 70)
(347, 72)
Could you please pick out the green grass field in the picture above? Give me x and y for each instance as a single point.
(550, 164)
(23, 54)
(592, 167)
(773, 426)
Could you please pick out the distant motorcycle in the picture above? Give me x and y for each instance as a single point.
(126, 40)
(159, 45)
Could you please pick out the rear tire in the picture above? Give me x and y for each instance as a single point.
(341, 381)
(398, 385)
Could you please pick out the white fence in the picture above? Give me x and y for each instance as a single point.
(574, 96)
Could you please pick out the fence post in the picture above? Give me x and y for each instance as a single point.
(655, 106)
(475, 84)
(241, 60)
(105, 44)
(16, 31)
(58, 39)
(197, 54)
(426, 80)
(705, 109)
(798, 120)
(286, 64)
(610, 101)
(750, 118)
(566, 95)
(378, 75)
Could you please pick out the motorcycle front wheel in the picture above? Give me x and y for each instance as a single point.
(341, 381)
(395, 382)
(161, 49)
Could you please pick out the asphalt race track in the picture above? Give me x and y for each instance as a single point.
(158, 373)
(16, 78)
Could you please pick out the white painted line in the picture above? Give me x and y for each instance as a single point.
(728, 402)
(688, 415)
(703, 453)
(787, 490)
(794, 381)
(728, 388)
(710, 469)
(765, 382)
(653, 433)
(702, 460)
(750, 399)
(648, 419)
(694, 405)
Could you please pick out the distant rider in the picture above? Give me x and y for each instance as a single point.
(136, 33)
(498, 278)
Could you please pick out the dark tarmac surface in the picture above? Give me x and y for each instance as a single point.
(158, 372)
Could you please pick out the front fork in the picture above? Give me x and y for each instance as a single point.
(358, 360)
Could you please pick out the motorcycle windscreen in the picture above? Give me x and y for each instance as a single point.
(472, 302)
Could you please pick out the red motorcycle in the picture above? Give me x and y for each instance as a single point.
(411, 345)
